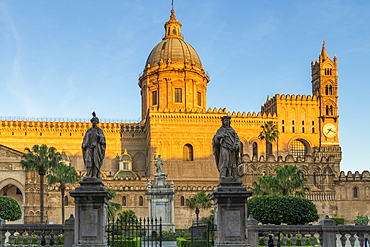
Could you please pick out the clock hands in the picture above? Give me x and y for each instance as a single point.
(330, 129)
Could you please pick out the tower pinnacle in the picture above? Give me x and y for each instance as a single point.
(323, 50)
(172, 27)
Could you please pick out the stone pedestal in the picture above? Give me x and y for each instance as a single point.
(90, 213)
(161, 201)
(230, 204)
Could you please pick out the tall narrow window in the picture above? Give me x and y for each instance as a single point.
(178, 95)
(188, 152)
(124, 201)
(313, 129)
(255, 149)
(141, 201)
(182, 201)
(302, 129)
(155, 98)
(355, 192)
(65, 200)
(314, 179)
(199, 96)
(283, 129)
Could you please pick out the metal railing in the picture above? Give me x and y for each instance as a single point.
(326, 234)
(134, 232)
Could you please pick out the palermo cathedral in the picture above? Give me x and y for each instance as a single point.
(177, 124)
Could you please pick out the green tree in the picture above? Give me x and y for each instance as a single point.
(113, 207)
(40, 159)
(127, 215)
(288, 181)
(361, 220)
(291, 181)
(9, 209)
(290, 210)
(199, 201)
(62, 175)
(269, 133)
(265, 185)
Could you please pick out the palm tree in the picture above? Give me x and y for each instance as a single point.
(62, 175)
(269, 133)
(113, 207)
(40, 159)
(200, 200)
(289, 181)
(265, 185)
(127, 215)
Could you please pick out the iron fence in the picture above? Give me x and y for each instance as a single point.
(135, 232)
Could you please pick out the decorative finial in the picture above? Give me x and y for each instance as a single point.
(94, 114)
(172, 4)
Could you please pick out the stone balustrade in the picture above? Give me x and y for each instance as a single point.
(326, 234)
(20, 235)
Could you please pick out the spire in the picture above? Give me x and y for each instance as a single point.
(172, 27)
(323, 50)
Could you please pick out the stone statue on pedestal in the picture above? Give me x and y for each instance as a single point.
(159, 164)
(93, 149)
(226, 146)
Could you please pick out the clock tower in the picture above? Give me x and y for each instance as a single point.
(325, 88)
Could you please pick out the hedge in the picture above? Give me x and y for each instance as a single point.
(290, 210)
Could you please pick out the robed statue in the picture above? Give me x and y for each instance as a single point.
(226, 146)
(159, 164)
(93, 149)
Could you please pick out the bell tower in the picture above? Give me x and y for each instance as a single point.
(325, 88)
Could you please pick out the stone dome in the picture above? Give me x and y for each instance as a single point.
(173, 48)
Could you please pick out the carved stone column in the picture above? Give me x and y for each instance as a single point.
(91, 201)
(230, 206)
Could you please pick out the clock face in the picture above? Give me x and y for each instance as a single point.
(329, 130)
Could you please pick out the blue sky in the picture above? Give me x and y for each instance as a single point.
(68, 58)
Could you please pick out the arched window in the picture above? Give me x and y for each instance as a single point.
(355, 192)
(141, 201)
(313, 129)
(182, 201)
(124, 201)
(255, 149)
(283, 129)
(188, 152)
(298, 149)
(302, 129)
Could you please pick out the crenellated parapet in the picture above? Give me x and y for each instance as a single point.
(354, 177)
(52, 128)
(271, 104)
